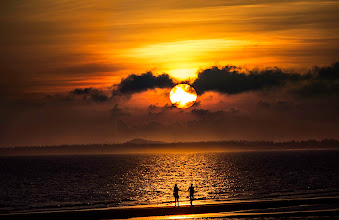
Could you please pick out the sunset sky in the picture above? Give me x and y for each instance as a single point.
(75, 72)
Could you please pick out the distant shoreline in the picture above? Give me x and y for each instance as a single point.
(144, 146)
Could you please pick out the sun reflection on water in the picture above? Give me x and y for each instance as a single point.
(150, 178)
(157, 175)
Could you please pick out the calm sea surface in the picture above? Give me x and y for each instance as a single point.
(71, 182)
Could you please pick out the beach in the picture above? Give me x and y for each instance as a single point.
(306, 207)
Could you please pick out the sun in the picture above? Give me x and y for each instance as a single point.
(183, 96)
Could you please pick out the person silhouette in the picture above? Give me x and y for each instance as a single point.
(191, 190)
(176, 194)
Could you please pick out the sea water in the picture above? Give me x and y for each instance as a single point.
(33, 183)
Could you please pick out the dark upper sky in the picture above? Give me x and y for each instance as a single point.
(89, 72)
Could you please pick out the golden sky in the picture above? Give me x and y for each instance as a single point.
(59, 45)
(92, 71)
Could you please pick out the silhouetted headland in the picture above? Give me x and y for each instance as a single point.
(143, 141)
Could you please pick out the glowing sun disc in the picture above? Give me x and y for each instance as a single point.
(183, 96)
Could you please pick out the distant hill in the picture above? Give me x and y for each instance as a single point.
(143, 141)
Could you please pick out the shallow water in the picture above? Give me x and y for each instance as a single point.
(62, 182)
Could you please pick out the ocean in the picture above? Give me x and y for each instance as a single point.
(39, 183)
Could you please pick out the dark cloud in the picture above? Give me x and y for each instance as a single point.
(140, 83)
(85, 91)
(324, 82)
(326, 72)
(232, 80)
(95, 95)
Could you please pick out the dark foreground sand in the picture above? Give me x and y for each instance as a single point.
(310, 207)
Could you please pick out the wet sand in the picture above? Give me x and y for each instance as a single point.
(241, 209)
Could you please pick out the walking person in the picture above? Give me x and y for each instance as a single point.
(176, 194)
(191, 190)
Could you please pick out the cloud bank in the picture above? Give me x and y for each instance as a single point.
(231, 80)
(234, 80)
(233, 103)
(140, 83)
